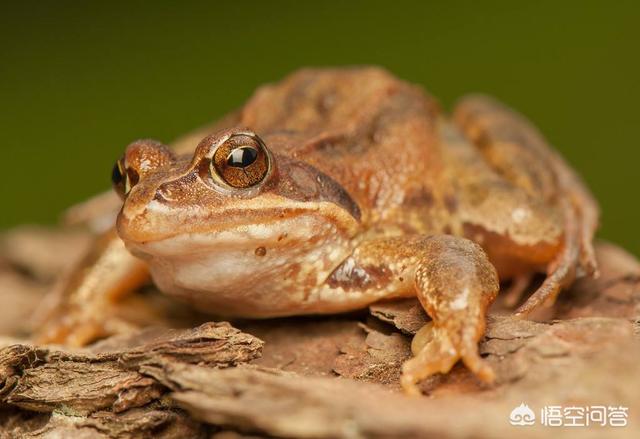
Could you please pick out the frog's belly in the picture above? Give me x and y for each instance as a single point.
(235, 285)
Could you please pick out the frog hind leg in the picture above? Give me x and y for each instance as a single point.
(77, 311)
(517, 151)
(455, 283)
(453, 280)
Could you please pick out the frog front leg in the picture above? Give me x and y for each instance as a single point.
(78, 310)
(453, 280)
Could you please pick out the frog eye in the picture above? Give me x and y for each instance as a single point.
(123, 179)
(242, 157)
(117, 174)
(118, 178)
(241, 161)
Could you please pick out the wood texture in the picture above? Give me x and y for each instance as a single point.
(317, 377)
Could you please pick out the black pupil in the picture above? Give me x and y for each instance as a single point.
(242, 157)
(116, 175)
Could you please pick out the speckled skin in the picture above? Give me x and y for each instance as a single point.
(372, 193)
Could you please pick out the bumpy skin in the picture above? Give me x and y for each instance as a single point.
(372, 193)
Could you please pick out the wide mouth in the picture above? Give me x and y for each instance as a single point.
(193, 244)
(142, 229)
(176, 233)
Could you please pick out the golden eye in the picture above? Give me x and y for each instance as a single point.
(241, 162)
(242, 157)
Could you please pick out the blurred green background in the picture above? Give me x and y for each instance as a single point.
(80, 80)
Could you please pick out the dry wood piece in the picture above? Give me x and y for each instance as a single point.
(407, 315)
(616, 293)
(320, 377)
(378, 358)
(546, 357)
(24, 295)
(308, 346)
(148, 423)
(562, 362)
(107, 377)
(43, 252)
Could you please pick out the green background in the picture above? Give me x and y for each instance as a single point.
(79, 81)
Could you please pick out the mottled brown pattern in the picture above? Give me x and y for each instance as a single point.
(419, 197)
(358, 178)
(371, 115)
(303, 182)
(351, 276)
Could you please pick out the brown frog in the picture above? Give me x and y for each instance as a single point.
(337, 188)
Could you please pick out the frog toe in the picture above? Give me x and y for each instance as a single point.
(436, 356)
(69, 331)
(436, 353)
(79, 330)
(471, 358)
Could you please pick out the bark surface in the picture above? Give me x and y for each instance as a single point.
(181, 376)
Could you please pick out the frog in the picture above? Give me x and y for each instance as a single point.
(334, 189)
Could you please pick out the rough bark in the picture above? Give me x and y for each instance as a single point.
(318, 377)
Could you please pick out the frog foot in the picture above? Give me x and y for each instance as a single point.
(79, 330)
(435, 352)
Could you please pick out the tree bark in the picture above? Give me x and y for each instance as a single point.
(315, 377)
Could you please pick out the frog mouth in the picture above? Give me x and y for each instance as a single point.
(231, 229)
(142, 229)
(292, 233)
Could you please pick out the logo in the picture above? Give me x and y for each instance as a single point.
(571, 416)
(522, 415)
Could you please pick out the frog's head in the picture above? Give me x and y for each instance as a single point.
(233, 195)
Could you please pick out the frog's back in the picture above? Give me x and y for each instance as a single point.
(372, 133)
